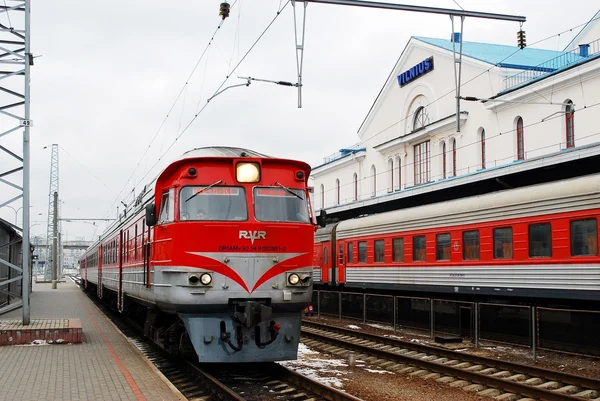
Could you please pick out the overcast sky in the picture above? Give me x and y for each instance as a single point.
(110, 71)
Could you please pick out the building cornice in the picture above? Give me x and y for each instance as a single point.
(339, 163)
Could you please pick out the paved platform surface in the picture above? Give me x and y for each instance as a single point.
(104, 367)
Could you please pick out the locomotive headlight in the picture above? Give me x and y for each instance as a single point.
(247, 172)
(293, 279)
(206, 279)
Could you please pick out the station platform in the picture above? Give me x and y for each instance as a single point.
(104, 366)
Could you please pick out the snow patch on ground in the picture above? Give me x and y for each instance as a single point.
(310, 364)
(354, 327)
(379, 371)
(380, 326)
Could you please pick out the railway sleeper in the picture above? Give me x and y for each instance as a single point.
(507, 397)
(587, 394)
(568, 389)
(474, 388)
(459, 383)
(551, 385)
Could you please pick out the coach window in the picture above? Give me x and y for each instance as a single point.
(503, 243)
(419, 251)
(167, 210)
(379, 251)
(398, 250)
(540, 240)
(442, 250)
(362, 252)
(471, 245)
(349, 257)
(584, 237)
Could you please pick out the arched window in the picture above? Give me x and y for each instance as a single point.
(444, 160)
(322, 196)
(374, 181)
(391, 174)
(482, 148)
(337, 191)
(570, 123)
(355, 180)
(454, 157)
(399, 163)
(421, 118)
(520, 140)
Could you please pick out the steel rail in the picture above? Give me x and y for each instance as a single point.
(222, 391)
(562, 377)
(448, 370)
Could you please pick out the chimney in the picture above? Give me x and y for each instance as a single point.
(584, 50)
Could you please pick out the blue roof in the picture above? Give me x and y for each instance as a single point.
(500, 55)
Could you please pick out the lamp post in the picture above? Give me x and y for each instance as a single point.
(14, 210)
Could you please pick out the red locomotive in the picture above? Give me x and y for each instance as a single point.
(216, 253)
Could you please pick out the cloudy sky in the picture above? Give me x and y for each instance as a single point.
(108, 73)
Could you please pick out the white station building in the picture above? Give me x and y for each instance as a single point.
(526, 108)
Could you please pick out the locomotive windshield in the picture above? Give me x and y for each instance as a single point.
(217, 203)
(280, 204)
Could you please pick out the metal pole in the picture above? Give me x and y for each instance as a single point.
(476, 325)
(422, 9)
(340, 305)
(431, 317)
(364, 308)
(55, 242)
(26, 169)
(533, 333)
(395, 312)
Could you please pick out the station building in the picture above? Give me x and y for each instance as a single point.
(526, 110)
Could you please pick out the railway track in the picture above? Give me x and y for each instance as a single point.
(226, 382)
(488, 377)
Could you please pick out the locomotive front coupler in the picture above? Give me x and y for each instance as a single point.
(251, 313)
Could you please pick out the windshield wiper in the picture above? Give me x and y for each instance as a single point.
(199, 191)
(289, 190)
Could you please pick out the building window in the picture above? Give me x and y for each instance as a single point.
(482, 148)
(503, 243)
(391, 174)
(379, 251)
(322, 196)
(399, 162)
(355, 180)
(422, 163)
(374, 181)
(349, 252)
(540, 240)
(442, 248)
(584, 237)
(421, 118)
(444, 159)
(337, 191)
(570, 121)
(398, 250)
(520, 141)
(471, 245)
(362, 252)
(453, 157)
(419, 251)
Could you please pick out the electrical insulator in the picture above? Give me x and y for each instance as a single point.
(521, 39)
(224, 10)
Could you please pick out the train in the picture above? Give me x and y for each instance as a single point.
(534, 242)
(214, 256)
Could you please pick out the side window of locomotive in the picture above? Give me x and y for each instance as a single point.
(540, 240)
(217, 203)
(471, 245)
(280, 204)
(379, 251)
(167, 210)
(442, 247)
(349, 252)
(584, 237)
(362, 252)
(398, 250)
(419, 250)
(503, 243)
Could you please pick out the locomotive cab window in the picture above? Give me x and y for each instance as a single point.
(584, 237)
(419, 251)
(540, 240)
(398, 249)
(362, 252)
(281, 205)
(442, 251)
(379, 251)
(216, 203)
(503, 243)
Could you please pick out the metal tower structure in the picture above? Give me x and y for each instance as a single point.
(15, 63)
(50, 229)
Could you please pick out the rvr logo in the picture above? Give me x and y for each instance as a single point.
(252, 235)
